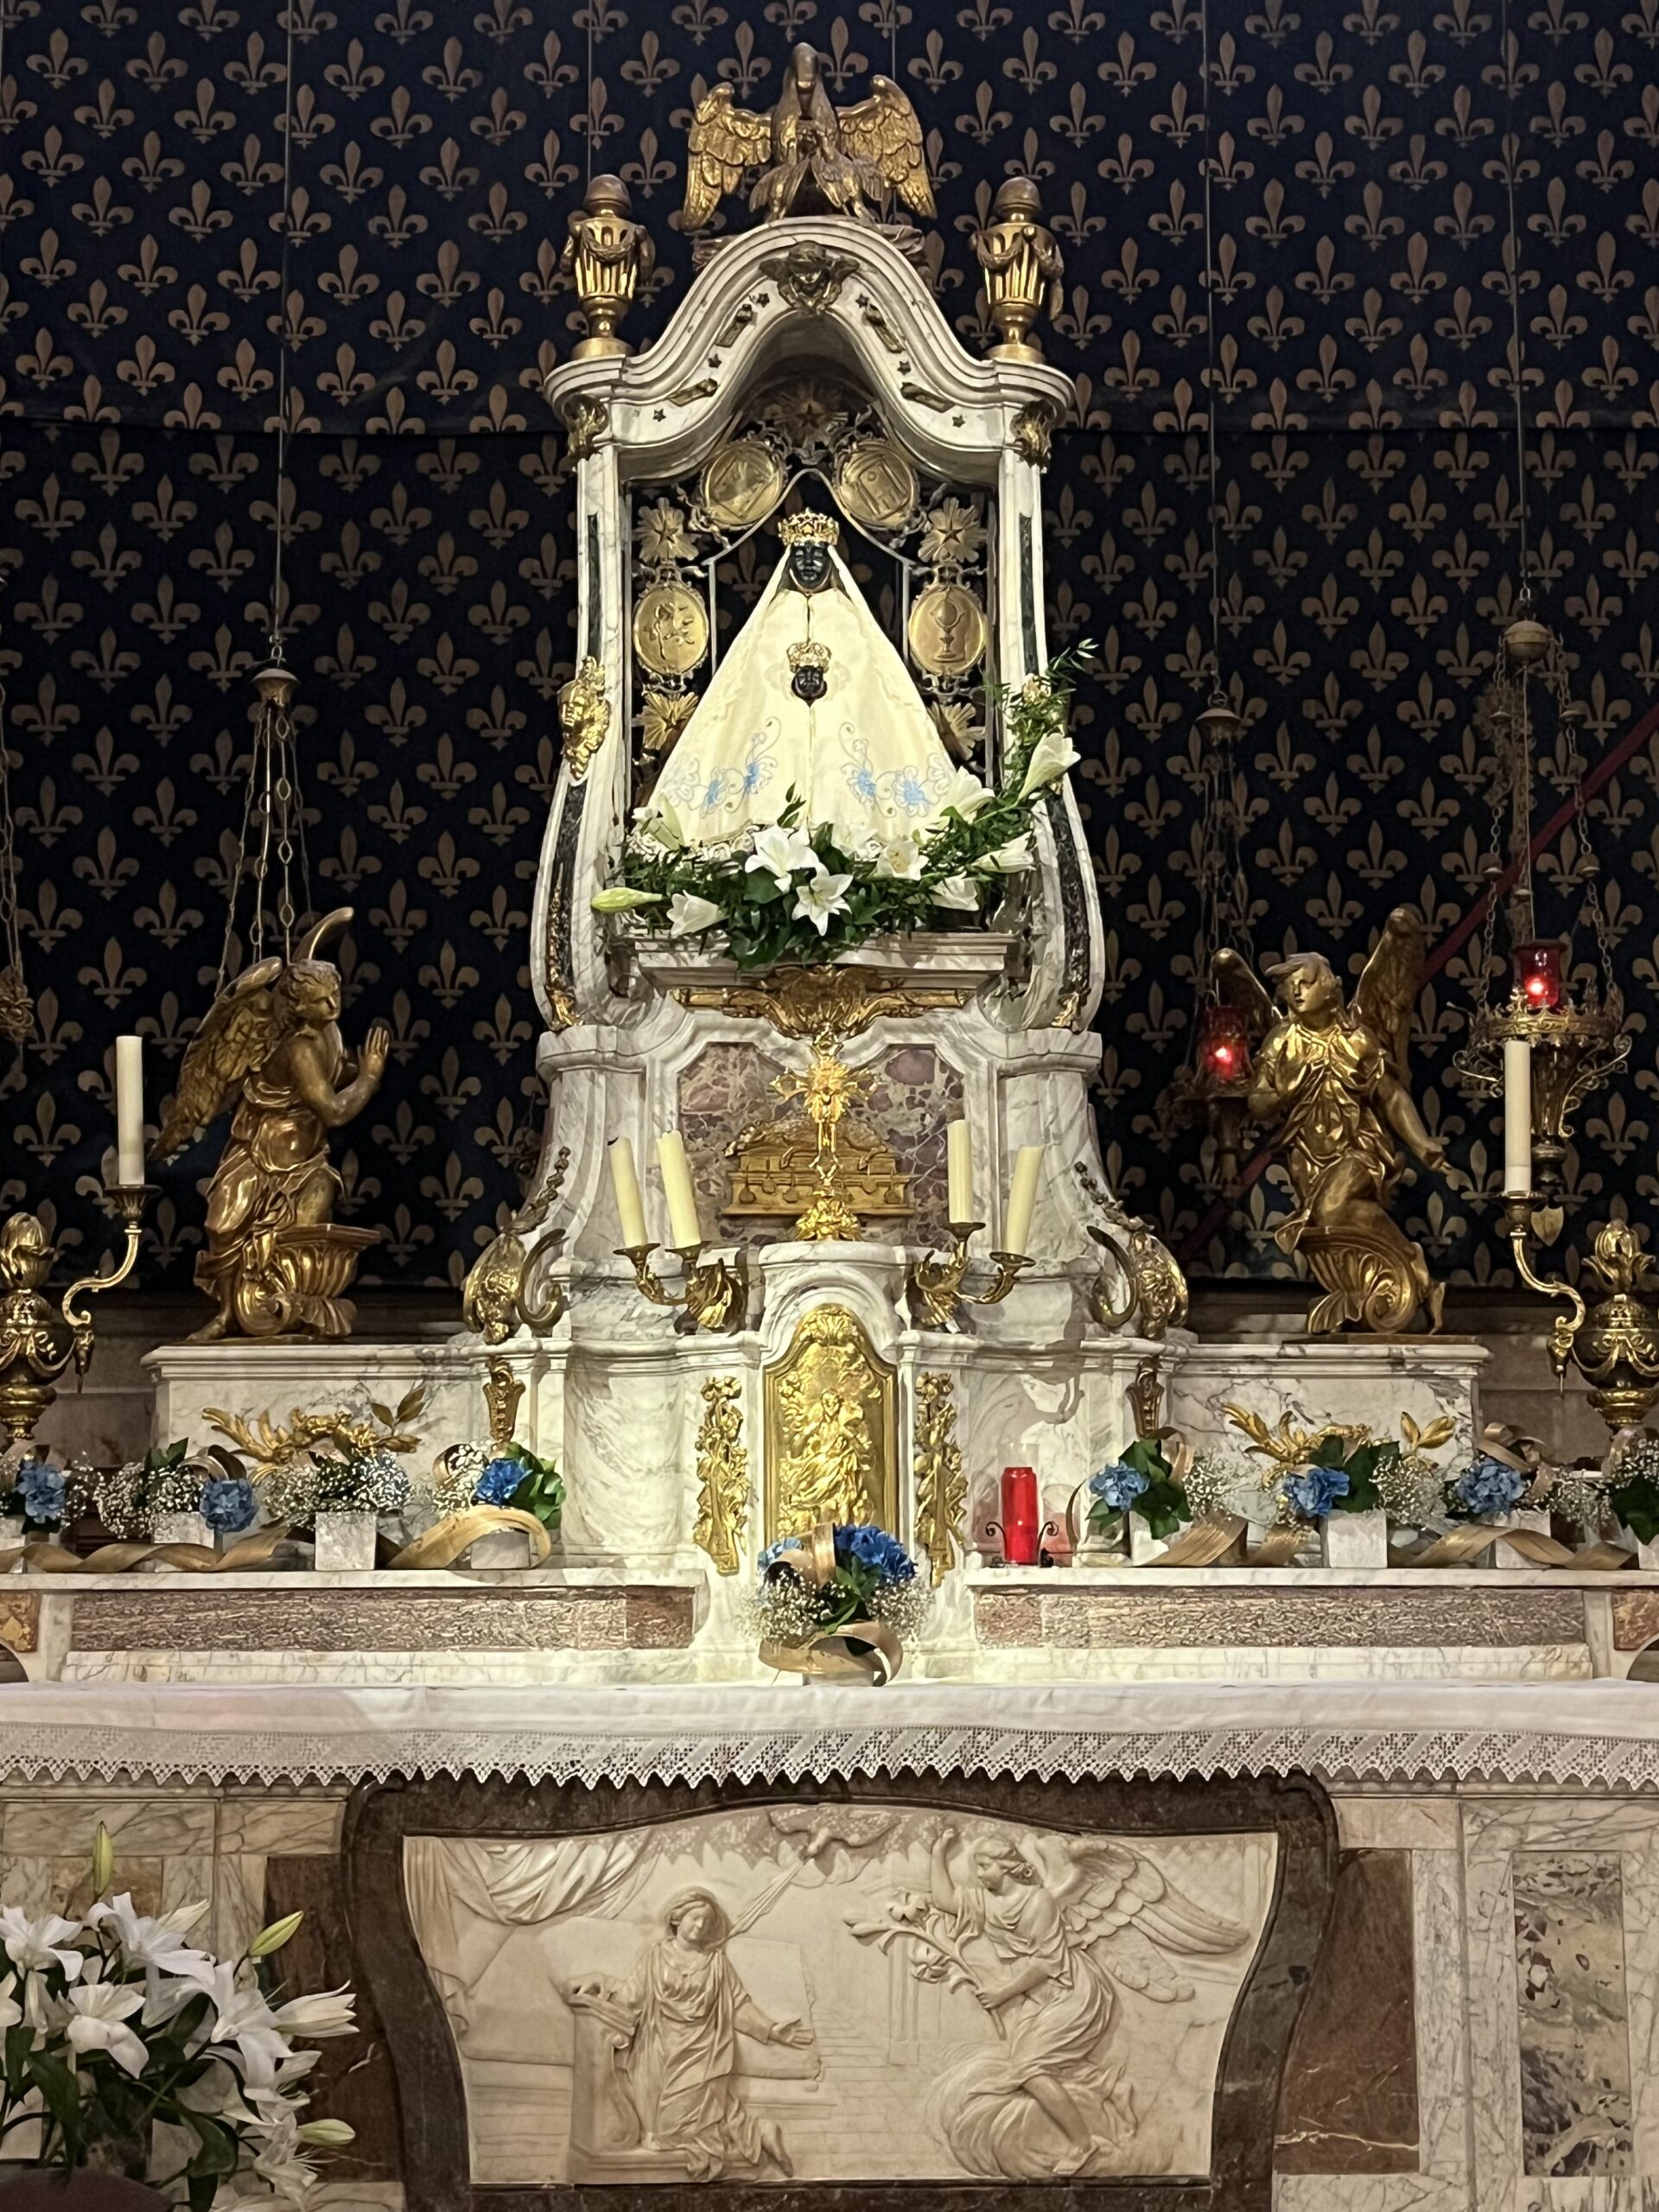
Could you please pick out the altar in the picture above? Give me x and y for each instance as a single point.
(848, 1645)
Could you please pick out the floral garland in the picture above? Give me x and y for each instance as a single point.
(875, 1579)
(805, 893)
(1143, 1481)
(491, 1474)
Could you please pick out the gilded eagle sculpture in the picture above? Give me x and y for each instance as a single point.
(276, 1261)
(813, 158)
(1331, 1081)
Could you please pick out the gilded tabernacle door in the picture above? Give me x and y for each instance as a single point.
(1058, 1991)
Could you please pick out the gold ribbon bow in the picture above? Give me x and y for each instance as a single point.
(1459, 1546)
(442, 1544)
(44, 1557)
(858, 1651)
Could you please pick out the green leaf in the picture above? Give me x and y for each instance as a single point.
(61, 2097)
(1145, 1456)
(1104, 1519)
(1636, 1503)
(20, 2041)
(1163, 1506)
(217, 2151)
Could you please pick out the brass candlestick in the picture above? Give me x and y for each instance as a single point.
(714, 1293)
(936, 1284)
(1614, 1343)
(36, 1345)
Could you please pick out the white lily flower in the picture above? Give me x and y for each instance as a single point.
(958, 891)
(688, 913)
(279, 2163)
(820, 898)
(37, 1944)
(782, 853)
(12, 2012)
(1011, 859)
(623, 899)
(151, 1942)
(900, 861)
(324, 2014)
(42, 2012)
(217, 2095)
(330, 2134)
(965, 795)
(658, 822)
(96, 2020)
(1051, 755)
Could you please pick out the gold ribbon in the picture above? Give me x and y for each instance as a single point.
(1458, 1547)
(829, 1657)
(1205, 1543)
(443, 1544)
(44, 1557)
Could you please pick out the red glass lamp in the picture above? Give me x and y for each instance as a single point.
(1537, 968)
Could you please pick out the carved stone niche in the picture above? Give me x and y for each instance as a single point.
(892, 1996)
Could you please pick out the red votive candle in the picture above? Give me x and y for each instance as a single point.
(1019, 1527)
(1538, 973)
(1223, 1045)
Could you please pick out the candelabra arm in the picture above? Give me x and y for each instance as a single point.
(1564, 1331)
(647, 1281)
(1108, 1317)
(937, 1283)
(714, 1293)
(130, 1203)
(1009, 1266)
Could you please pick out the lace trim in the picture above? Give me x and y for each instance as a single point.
(58, 1752)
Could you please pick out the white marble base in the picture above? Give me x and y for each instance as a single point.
(182, 1529)
(1144, 1547)
(502, 1549)
(1505, 1555)
(345, 1543)
(1354, 1539)
(1373, 1380)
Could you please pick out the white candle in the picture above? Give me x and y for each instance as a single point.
(1517, 1118)
(1023, 1199)
(630, 1206)
(129, 1111)
(684, 1229)
(959, 1163)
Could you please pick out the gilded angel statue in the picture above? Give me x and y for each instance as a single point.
(1045, 1931)
(1330, 1080)
(275, 1263)
(813, 157)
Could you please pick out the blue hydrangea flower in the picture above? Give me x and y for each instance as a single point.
(41, 1488)
(499, 1482)
(1118, 1486)
(1486, 1487)
(1315, 1491)
(228, 1504)
(875, 1549)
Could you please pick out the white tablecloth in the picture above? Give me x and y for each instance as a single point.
(1590, 1734)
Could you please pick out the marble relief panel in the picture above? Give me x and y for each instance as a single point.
(837, 1993)
(1575, 2034)
(913, 1093)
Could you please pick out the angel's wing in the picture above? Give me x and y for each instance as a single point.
(724, 140)
(1242, 987)
(236, 1034)
(1387, 992)
(1113, 1895)
(884, 129)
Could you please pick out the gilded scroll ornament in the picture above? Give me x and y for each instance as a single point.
(831, 1427)
(37, 1344)
(1033, 435)
(606, 256)
(941, 1485)
(1329, 1080)
(663, 715)
(823, 1002)
(584, 716)
(808, 279)
(1022, 266)
(813, 157)
(1157, 1292)
(722, 1473)
(492, 1301)
(277, 1263)
(585, 421)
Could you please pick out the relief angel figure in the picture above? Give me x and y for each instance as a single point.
(1331, 1082)
(814, 158)
(674, 2022)
(1043, 1930)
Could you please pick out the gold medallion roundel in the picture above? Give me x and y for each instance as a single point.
(742, 482)
(947, 630)
(876, 484)
(671, 630)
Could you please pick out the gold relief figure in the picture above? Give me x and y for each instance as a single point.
(1022, 266)
(831, 1427)
(722, 1473)
(814, 158)
(947, 630)
(606, 256)
(741, 482)
(584, 716)
(275, 1263)
(671, 630)
(1330, 1079)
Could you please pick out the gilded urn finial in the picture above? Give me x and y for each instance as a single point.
(1022, 265)
(605, 257)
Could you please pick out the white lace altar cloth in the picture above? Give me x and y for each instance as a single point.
(1590, 1734)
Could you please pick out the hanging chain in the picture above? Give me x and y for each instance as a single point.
(16, 1008)
(1213, 399)
(1512, 156)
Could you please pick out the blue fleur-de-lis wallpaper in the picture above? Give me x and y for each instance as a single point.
(216, 214)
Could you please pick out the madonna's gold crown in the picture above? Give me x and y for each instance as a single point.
(809, 654)
(807, 529)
